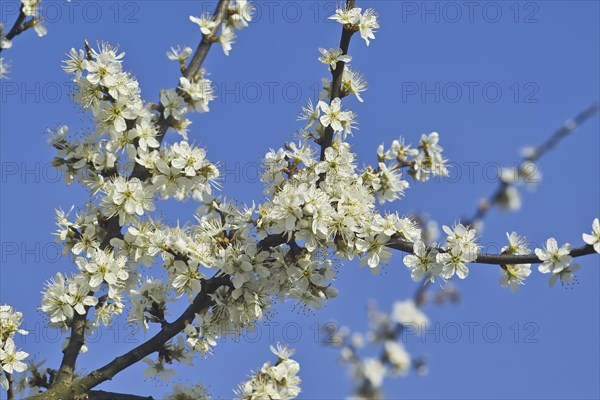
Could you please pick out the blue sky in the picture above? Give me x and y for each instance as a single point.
(490, 79)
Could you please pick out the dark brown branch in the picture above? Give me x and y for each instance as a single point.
(483, 258)
(337, 78)
(10, 393)
(495, 259)
(17, 27)
(207, 41)
(112, 226)
(71, 352)
(102, 395)
(271, 241)
(82, 385)
(78, 325)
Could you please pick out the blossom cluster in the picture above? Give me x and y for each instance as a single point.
(318, 204)
(128, 134)
(11, 359)
(447, 261)
(183, 392)
(337, 211)
(277, 381)
(527, 173)
(238, 15)
(385, 331)
(514, 275)
(31, 10)
(354, 18)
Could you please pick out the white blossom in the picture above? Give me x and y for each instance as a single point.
(344, 15)
(566, 275)
(407, 313)
(422, 262)
(205, 23)
(10, 358)
(333, 56)
(593, 239)
(368, 24)
(554, 259)
(179, 54)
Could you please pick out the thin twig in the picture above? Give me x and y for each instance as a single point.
(19, 26)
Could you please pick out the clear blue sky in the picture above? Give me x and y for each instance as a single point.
(542, 56)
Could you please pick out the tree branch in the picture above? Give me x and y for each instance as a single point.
(337, 78)
(495, 259)
(11, 380)
(113, 229)
(207, 41)
(71, 352)
(163, 124)
(482, 258)
(102, 395)
(82, 385)
(17, 27)
(78, 325)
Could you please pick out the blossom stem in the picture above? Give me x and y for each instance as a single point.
(10, 394)
(17, 28)
(496, 259)
(336, 83)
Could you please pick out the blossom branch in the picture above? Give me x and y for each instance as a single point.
(163, 124)
(111, 224)
(78, 325)
(21, 25)
(207, 41)
(495, 259)
(82, 385)
(337, 78)
(113, 228)
(17, 28)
